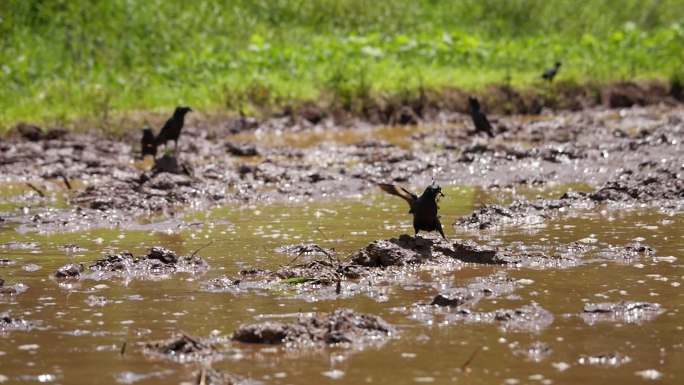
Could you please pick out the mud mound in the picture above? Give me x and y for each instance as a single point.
(491, 286)
(528, 318)
(217, 377)
(643, 185)
(9, 324)
(15, 289)
(613, 359)
(184, 348)
(519, 213)
(158, 263)
(623, 312)
(407, 250)
(535, 352)
(69, 271)
(343, 326)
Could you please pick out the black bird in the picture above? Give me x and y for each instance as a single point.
(550, 73)
(423, 208)
(148, 143)
(479, 118)
(172, 128)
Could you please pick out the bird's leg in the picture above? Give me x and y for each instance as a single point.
(439, 228)
(175, 148)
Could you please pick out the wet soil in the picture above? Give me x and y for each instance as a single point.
(343, 326)
(158, 263)
(630, 156)
(563, 264)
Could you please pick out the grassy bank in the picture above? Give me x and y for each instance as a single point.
(91, 60)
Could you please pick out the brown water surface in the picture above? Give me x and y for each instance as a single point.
(79, 344)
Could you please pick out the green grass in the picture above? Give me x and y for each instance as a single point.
(89, 60)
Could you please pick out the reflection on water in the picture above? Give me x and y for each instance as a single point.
(78, 338)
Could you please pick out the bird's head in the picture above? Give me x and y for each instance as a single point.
(474, 103)
(182, 110)
(433, 191)
(558, 64)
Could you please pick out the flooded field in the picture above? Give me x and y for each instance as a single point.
(572, 270)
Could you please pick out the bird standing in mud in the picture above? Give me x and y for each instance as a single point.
(550, 73)
(148, 143)
(424, 208)
(479, 118)
(172, 128)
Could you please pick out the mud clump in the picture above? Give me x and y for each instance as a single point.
(491, 286)
(158, 263)
(241, 149)
(407, 250)
(34, 133)
(642, 186)
(519, 213)
(170, 164)
(444, 300)
(10, 290)
(217, 377)
(70, 271)
(343, 326)
(9, 324)
(627, 312)
(613, 359)
(528, 318)
(535, 352)
(184, 348)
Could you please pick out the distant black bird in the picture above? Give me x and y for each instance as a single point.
(479, 118)
(148, 143)
(172, 128)
(550, 73)
(423, 208)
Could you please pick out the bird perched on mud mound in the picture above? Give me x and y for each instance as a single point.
(148, 143)
(423, 208)
(479, 118)
(550, 73)
(172, 128)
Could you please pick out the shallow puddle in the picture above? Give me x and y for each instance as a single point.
(81, 326)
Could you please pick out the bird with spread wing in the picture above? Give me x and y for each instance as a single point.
(424, 208)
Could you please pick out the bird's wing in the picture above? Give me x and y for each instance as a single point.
(164, 132)
(398, 191)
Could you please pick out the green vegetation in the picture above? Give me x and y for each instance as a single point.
(93, 59)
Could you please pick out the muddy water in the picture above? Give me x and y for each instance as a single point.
(75, 343)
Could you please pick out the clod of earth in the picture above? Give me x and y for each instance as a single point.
(15, 289)
(626, 311)
(613, 359)
(184, 348)
(8, 324)
(158, 263)
(407, 250)
(170, 164)
(529, 318)
(343, 326)
(94, 300)
(241, 149)
(536, 352)
(217, 377)
(70, 271)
